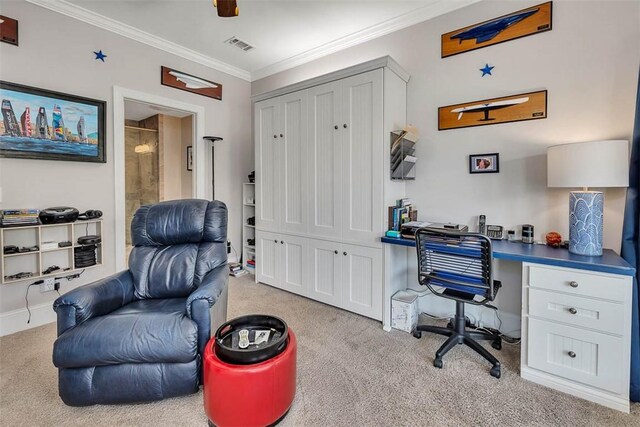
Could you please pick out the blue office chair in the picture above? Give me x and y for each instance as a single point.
(458, 266)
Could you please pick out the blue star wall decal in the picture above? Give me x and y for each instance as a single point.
(486, 70)
(101, 56)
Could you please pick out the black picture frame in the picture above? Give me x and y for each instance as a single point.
(190, 158)
(478, 163)
(59, 143)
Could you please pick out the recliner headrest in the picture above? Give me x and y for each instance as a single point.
(179, 221)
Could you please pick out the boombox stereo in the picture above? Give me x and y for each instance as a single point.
(58, 215)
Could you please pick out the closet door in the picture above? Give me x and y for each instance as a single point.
(324, 271)
(361, 156)
(267, 256)
(324, 139)
(294, 258)
(292, 140)
(361, 280)
(267, 161)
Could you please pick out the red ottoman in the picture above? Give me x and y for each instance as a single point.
(249, 395)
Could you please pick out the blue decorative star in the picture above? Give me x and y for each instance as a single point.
(101, 56)
(486, 70)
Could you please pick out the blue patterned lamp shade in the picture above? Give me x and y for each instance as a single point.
(585, 222)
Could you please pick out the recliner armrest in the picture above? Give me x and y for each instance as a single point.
(94, 299)
(213, 283)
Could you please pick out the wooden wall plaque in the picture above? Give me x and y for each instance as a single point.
(179, 80)
(8, 30)
(514, 108)
(525, 22)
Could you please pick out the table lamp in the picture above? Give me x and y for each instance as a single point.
(597, 164)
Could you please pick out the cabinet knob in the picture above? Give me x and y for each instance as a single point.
(572, 354)
(275, 241)
(344, 125)
(281, 136)
(275, 136)
(281, 242)
(344, 253)
(335, 252)
(336, 127)
(573, 284)
(573, 310)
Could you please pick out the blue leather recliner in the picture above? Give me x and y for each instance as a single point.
(139, 335)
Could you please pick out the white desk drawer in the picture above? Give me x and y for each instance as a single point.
(577, 282)
(583, 356)
(604, 316)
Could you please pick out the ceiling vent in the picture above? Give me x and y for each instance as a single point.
(234, 41)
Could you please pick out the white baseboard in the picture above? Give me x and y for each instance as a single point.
(614, 402)
(16, 320)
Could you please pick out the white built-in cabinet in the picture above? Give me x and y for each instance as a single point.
(321, 189)
(576, 328)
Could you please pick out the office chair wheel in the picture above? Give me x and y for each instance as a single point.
(495, 371)
(497, 344)
(417, 334)
(437, 362)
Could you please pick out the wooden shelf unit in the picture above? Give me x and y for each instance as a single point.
(248, 231)
(38, 261)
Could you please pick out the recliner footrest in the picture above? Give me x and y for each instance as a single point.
(127, 383)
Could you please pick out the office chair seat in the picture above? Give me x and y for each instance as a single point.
(458, 266)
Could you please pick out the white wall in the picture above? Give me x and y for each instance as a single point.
(588, 63)
(56, 53)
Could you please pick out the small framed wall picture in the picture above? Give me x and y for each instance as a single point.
(484, 163)
(190, 158)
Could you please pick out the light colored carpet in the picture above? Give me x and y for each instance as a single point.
(350, 373)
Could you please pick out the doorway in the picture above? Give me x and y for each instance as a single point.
(158, 163)
(123, 100)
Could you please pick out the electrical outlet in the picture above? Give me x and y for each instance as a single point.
(48, 285)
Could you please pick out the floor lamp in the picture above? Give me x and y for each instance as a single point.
(599, 164)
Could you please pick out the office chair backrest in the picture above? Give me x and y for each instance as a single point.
(458, 264)
(176, 243)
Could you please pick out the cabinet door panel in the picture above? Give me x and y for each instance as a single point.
(324, 160)
(267, 173)
(362, 163)
(577, 354)
(362, 280)
(267, 259)
(293, 161)
(324, 271)
(294, 264)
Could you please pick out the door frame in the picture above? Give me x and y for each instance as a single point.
(120, 95)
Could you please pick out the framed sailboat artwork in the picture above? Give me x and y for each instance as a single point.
(45, 125)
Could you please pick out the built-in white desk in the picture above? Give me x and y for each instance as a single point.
(576, 316)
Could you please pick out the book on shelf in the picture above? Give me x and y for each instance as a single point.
(402, 212)
(16, 217)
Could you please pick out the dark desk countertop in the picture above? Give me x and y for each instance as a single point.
(609, 262)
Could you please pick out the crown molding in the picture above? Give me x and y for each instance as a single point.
(403, 21)
(125, 30)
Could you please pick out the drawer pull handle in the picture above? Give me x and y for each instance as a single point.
(573, 284)
(572, 354)
(573, 310)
